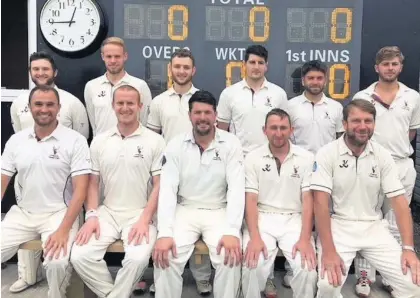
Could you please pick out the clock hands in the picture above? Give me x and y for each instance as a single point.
(52, 21)
(72, 17)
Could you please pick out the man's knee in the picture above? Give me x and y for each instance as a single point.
(136, 260)
(309, 276)
(325, 289)
(80, 254)
(57, 264)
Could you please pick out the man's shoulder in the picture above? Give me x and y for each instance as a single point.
(302, 152)
(95, 81)
(153, 136)
(136, 81)
(67, 96)
(160, 97)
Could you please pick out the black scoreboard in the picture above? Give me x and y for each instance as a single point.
(218, 32)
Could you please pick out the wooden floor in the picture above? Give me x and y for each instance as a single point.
(40, 290)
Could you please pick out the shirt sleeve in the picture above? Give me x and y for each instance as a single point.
(415, 118)
(80, 118)
(14, 116)
(8, 162)
(153, 121)
(80, 160)
(283, 103)
(157, 158)
(339, 120)
(235, 196)
(89, 108)
(146, 99)
(169, 182)
(307, 174)
(94, 155)
(390, 182)
(251, 175)
(224, 112)
(322, 172)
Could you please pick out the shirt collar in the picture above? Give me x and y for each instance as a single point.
(189, 92)
(244, 84)
(324, 99)
(56, 134)
(125, 79)
(344, 149)
(115, 131)
(401, 89)
(292, 151)
(219, 138)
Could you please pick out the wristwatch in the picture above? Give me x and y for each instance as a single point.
(409, 247)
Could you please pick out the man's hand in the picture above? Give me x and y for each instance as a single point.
(252, 253)
(161, 250)
(56, 242)
(139, 230)
(89, 227)
(334, 265)
(232, 247)
(410, 260)
(307, 253)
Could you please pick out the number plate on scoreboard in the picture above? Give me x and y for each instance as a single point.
(219, 31)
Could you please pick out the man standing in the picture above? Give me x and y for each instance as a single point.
(244, 106)
(355, 171)
(169, 116)
(201, 195)
(125, 158)
(43, 71)
(46, 156)
(398, 118)
(98, 92)
(316, 119)
(277, 195)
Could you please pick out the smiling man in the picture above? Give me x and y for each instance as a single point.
(202, 194)
(398, 118)
(53, 163)
(125, 158)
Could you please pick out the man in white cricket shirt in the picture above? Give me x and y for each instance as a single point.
(279, 210)
(202, 194)
(43, 71)
(53, 163)
(125, 158)
(169, 116)
(316, 118)
(355, 171)
(243, 106)
(98, 92)
(398, 118)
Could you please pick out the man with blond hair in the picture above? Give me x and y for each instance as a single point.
(398, 118)
(98, 92)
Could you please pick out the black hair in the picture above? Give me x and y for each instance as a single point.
(203, 97)
(44, 88)
(257, 50)
(183, 53)
(278, 112)
(42, 55)
(314, 65)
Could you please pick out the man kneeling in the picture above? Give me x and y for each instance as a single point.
(125, 158)
(202, 194)
(279, 210)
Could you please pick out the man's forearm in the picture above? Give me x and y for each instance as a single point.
(323, 221)
(152, 203)
(404, 219)
(412, 134)
(76, 203)
(4, 183)
(307, 215)
(92, 200)
(251, 216)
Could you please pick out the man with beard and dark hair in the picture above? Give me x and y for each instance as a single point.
(398, 118)
(98, 92)
(169, 116)
(43, 71)
(277, 195)
(202, 194)
(316, 119)
(53, 162)
(355, 171)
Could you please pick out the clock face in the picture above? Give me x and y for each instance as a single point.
(70, 25)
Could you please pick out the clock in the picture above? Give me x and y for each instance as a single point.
(72, 27)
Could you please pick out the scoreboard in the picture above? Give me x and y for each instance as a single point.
(219, 31)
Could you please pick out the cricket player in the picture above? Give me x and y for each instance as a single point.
(98, 92)
(43, 72)
(125, 158)
(279, 210)
(398, 118)
(355, 172)
(53, 163)
(169, 117)
(202, 194)
(242, 109)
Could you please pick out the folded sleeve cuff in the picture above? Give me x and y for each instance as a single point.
(165, 233)
(320, 188)
(233, 232)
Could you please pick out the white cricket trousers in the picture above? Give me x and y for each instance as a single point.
(407, 174)
(88, 260)
(20, 226)
(191, 224)
(278, 231)
(376, 244)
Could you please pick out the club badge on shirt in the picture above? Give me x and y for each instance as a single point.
(139, 154)
(54, 155)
